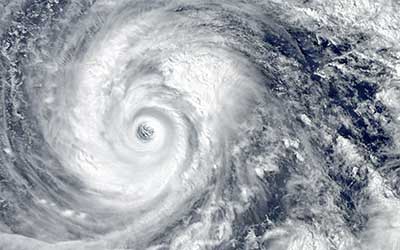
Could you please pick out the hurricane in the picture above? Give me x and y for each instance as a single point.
(185, 125)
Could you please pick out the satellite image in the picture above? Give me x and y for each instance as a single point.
(199, 125)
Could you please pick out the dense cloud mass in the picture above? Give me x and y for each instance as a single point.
(252, 124)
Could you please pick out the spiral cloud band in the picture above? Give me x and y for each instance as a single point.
(200, 125)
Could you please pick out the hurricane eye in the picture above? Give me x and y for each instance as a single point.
(145, 132)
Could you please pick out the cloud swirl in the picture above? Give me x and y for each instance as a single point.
(199, 125)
